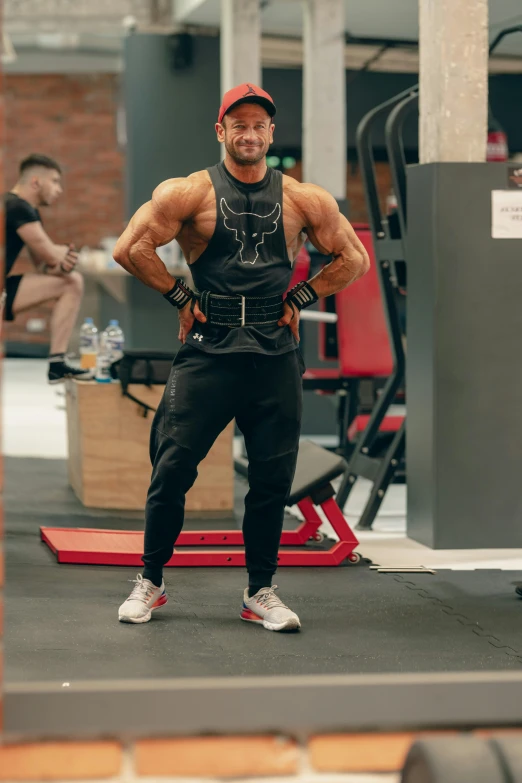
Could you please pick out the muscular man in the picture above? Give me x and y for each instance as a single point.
(39, 185)
(240, 225)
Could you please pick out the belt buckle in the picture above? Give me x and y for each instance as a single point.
(243, 308)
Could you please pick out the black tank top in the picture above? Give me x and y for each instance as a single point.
(246, 255)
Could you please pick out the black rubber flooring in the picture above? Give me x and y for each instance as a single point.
(61, 621)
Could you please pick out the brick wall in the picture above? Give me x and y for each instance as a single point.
(71, 118)
(205, 758)
(343, 758)
(355, 191)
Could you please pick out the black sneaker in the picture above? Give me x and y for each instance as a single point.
(518, 590)
(59, 371)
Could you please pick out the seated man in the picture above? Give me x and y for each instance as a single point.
(39, 185)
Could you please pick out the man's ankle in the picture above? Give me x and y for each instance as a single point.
(154, 576)
(255, 588)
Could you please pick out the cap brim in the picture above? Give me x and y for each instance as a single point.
(266, 104)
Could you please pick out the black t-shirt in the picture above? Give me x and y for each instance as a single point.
(18, 212)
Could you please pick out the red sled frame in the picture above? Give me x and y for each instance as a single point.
(87, 546)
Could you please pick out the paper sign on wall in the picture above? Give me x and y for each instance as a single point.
(506, 208)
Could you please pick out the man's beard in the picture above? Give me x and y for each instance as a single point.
(242, 161)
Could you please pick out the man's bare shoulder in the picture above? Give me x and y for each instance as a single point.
(306, 197)
(180, 197)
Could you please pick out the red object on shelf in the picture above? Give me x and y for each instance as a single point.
(497, 149)
(124, 548)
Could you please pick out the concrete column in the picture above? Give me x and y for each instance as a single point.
(453, 80)
(240, 43)
(324, 96)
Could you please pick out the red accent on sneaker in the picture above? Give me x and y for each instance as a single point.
(162, 600)
(248, 614)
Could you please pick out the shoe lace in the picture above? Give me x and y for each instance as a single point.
(269, 599)
(142, 591)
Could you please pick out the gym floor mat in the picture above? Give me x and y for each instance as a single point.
(61, 621)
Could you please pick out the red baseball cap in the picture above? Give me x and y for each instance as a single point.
(246, 93)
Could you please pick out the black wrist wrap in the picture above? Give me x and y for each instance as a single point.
(301, 295)
(179, 295)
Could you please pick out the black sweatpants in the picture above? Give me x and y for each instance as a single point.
(203, 394)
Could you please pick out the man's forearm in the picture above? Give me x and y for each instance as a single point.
(148, 268)
(339, 273)
(51, 256)
(38, 264)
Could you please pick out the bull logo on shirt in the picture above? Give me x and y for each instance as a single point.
(250, 229)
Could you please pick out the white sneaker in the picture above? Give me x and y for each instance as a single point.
(144, 598)
(267, 609)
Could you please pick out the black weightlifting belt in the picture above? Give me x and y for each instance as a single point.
(236, 310)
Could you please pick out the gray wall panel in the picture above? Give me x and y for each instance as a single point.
(471, 321)
(420, 368)
(170, 114)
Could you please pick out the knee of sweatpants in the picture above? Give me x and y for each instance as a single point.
(174, 467)
(273, 476)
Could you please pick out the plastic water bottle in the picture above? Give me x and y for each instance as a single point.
(114, 340)
(103, 363)
(88, 344)
(111, 349)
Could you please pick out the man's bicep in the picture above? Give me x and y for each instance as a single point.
(37, 241)
(147, 226)
(160, 220)
(323, 221)
(328, 229)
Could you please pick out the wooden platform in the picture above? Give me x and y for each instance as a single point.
(109, 464)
